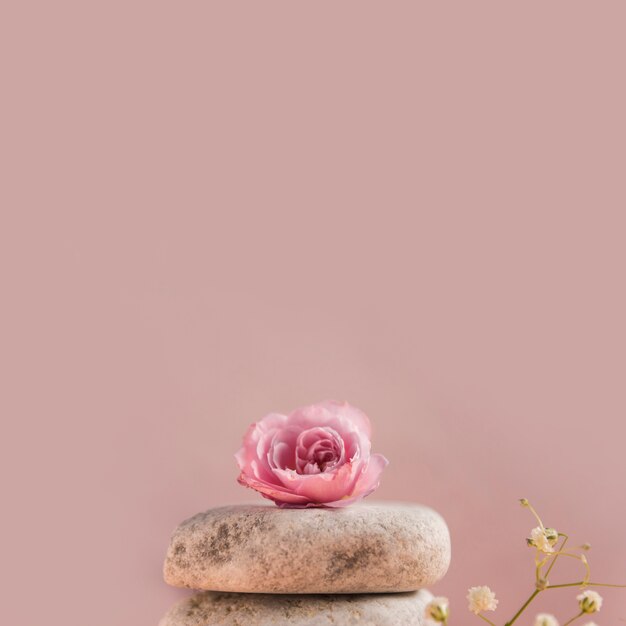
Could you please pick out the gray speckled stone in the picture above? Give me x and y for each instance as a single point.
(364, 548)
(231, 609)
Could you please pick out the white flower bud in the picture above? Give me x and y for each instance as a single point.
(481, 599)
(552, 536)
(545, 619)
(544, 539)
(589, 601)
(438, 610)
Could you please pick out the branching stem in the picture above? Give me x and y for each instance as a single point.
(574, 618)
(582, 583)
(556, 557)
(533, 595)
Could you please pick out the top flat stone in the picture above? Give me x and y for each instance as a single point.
(364, 548)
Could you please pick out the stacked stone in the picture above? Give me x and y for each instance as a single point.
(364, 564)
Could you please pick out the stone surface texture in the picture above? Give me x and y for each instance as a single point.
(365, 548)
(228, 609)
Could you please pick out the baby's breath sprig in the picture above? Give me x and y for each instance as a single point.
(549, 544)
(438, 610)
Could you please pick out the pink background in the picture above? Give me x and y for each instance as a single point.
(215, 210)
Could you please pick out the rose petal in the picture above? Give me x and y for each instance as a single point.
(257, 440)
(322, 442)
(323, 487)
(367, 482)
(281, 452)
(272, 492)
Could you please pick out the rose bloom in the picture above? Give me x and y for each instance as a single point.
(318, 455)
(481, 599)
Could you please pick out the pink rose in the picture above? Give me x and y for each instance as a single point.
(318, 455)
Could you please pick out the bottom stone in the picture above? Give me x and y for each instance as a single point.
(235, 609)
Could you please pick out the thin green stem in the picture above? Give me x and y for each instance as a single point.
(538, 565)
(582, 583)
(574, 618)
(530, 599)
(556, 557)
(579, 557)
(487, 620)
(532, 510)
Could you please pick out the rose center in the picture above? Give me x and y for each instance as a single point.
(318, 450)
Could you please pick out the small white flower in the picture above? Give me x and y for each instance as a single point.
(438, 609)
(589, 601)
(545, 619)
(591, 624)
(544, 539)
(481, 599)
